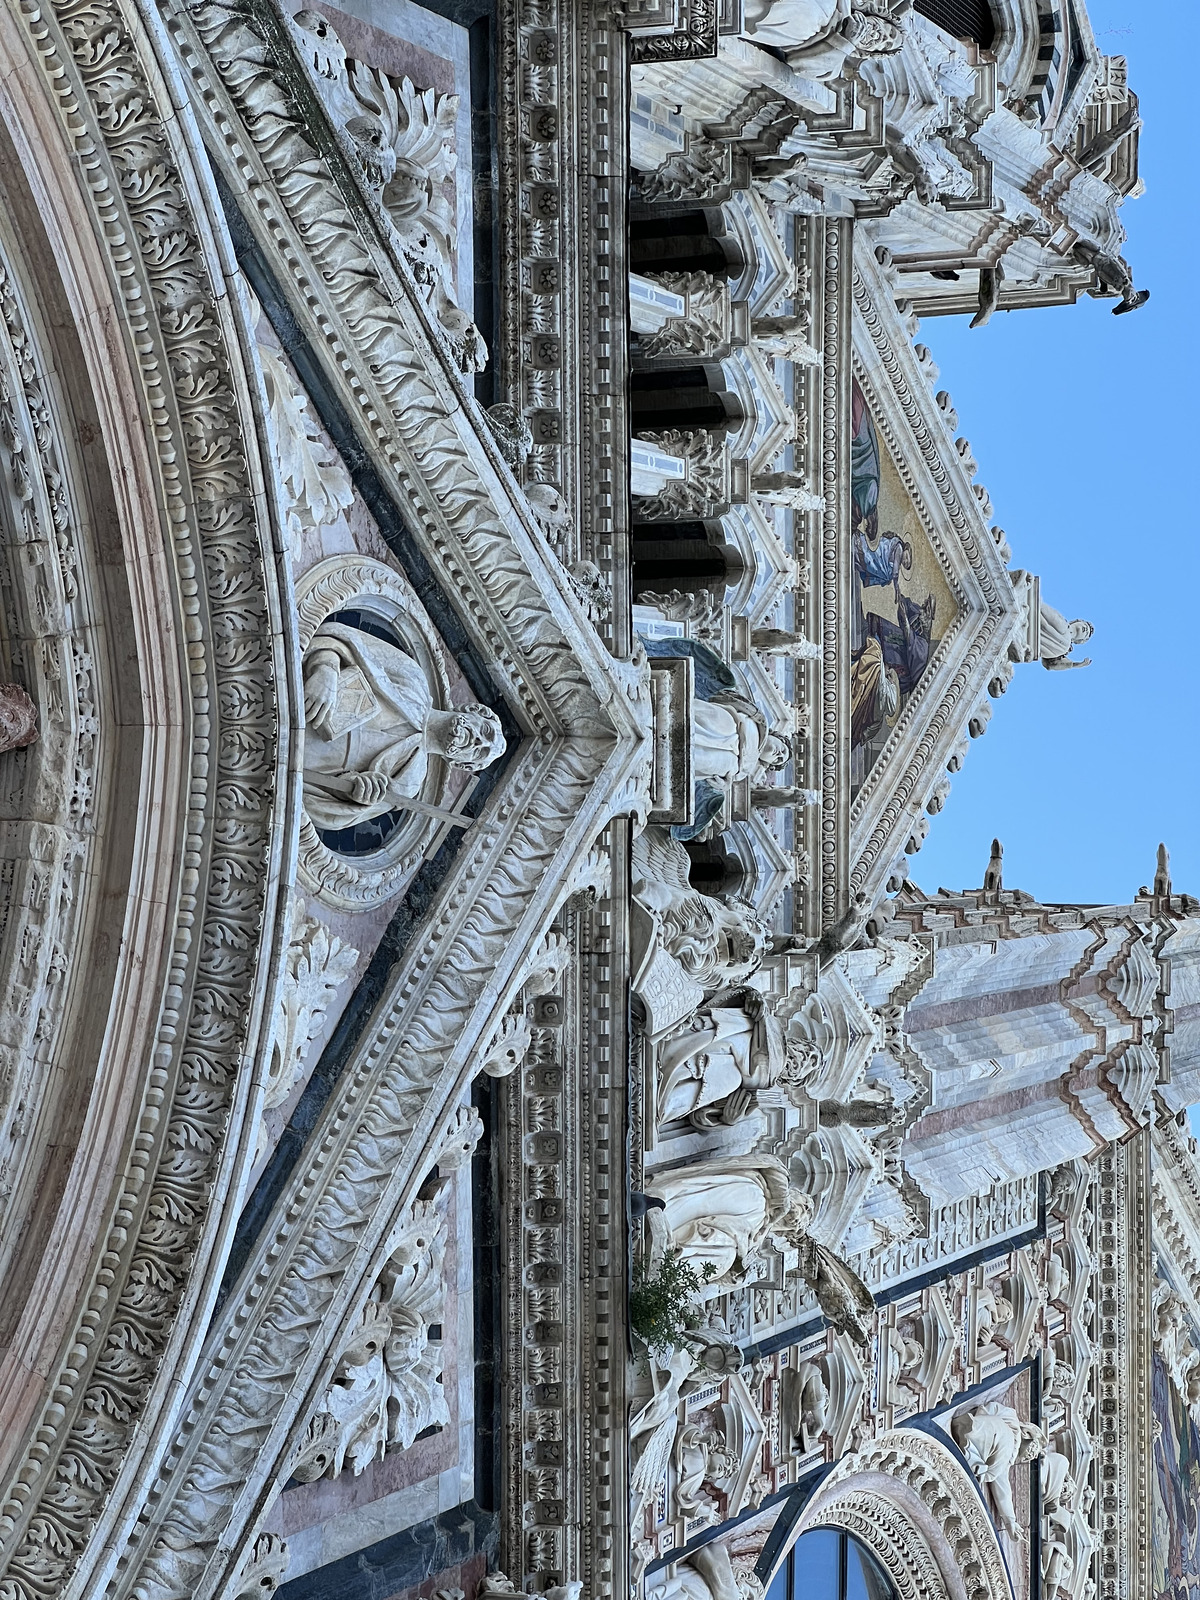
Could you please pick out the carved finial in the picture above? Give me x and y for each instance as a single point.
(1162, 873)
(993, 878)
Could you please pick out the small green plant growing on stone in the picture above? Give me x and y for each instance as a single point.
(662, 1310)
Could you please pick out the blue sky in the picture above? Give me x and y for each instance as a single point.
(1083, 425)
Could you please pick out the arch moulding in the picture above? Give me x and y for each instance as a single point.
(912, 1503)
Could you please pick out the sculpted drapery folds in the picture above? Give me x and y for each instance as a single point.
(372, 726)
(720, 1214)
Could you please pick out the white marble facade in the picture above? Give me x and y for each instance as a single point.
(500, 597)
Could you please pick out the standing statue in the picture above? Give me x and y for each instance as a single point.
(372, 728)
(659, 1418)
(721, 1214)
(994, 1439)
(707, 943)
(730, 740)
(1059, 637)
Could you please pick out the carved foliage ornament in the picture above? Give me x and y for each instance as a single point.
(370, 323)
(387, 1385)
(556, 796)
(131, 172)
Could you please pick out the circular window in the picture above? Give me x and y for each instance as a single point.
(827, 1564)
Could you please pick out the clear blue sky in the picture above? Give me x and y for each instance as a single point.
(1083, 425)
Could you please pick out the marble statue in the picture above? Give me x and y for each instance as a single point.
(372, 727)
(994, 1311)
(1059, 637)
(658, 1421)
(729, 741)
(388, 1382)
(712, 1069)
(707, 1574)
(709, 943)
(720, 1214)
(804, 1403)
(818, 35)
(993, 1438)
(701, 1456)
(18, 718)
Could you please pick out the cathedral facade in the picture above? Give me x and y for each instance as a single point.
(485, 1107)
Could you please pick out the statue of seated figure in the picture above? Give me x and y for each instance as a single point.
(712, 1068)
(372, 727)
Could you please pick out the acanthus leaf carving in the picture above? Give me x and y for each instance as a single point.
(318, 963)
(316, 481)
(387, 1384)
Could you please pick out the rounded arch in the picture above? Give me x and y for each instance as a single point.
(143, 837)
(912, 1504)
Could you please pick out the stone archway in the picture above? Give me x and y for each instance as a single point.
(915, 1507)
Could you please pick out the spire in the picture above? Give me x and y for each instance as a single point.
(1162, 873)
(993, 878)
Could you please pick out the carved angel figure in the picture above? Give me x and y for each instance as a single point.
(387, 1385)
(372, 727)
(993, 1438)
(994, 1311)
(685, 944)
(721, 1214)
(658, 1418)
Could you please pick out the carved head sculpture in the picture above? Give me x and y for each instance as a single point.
(18, 718)
(375, 154)
(407, 1341)
(475, 738)
(792, 1227)
(774, 752)
(1081, 631)
(872, 35)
